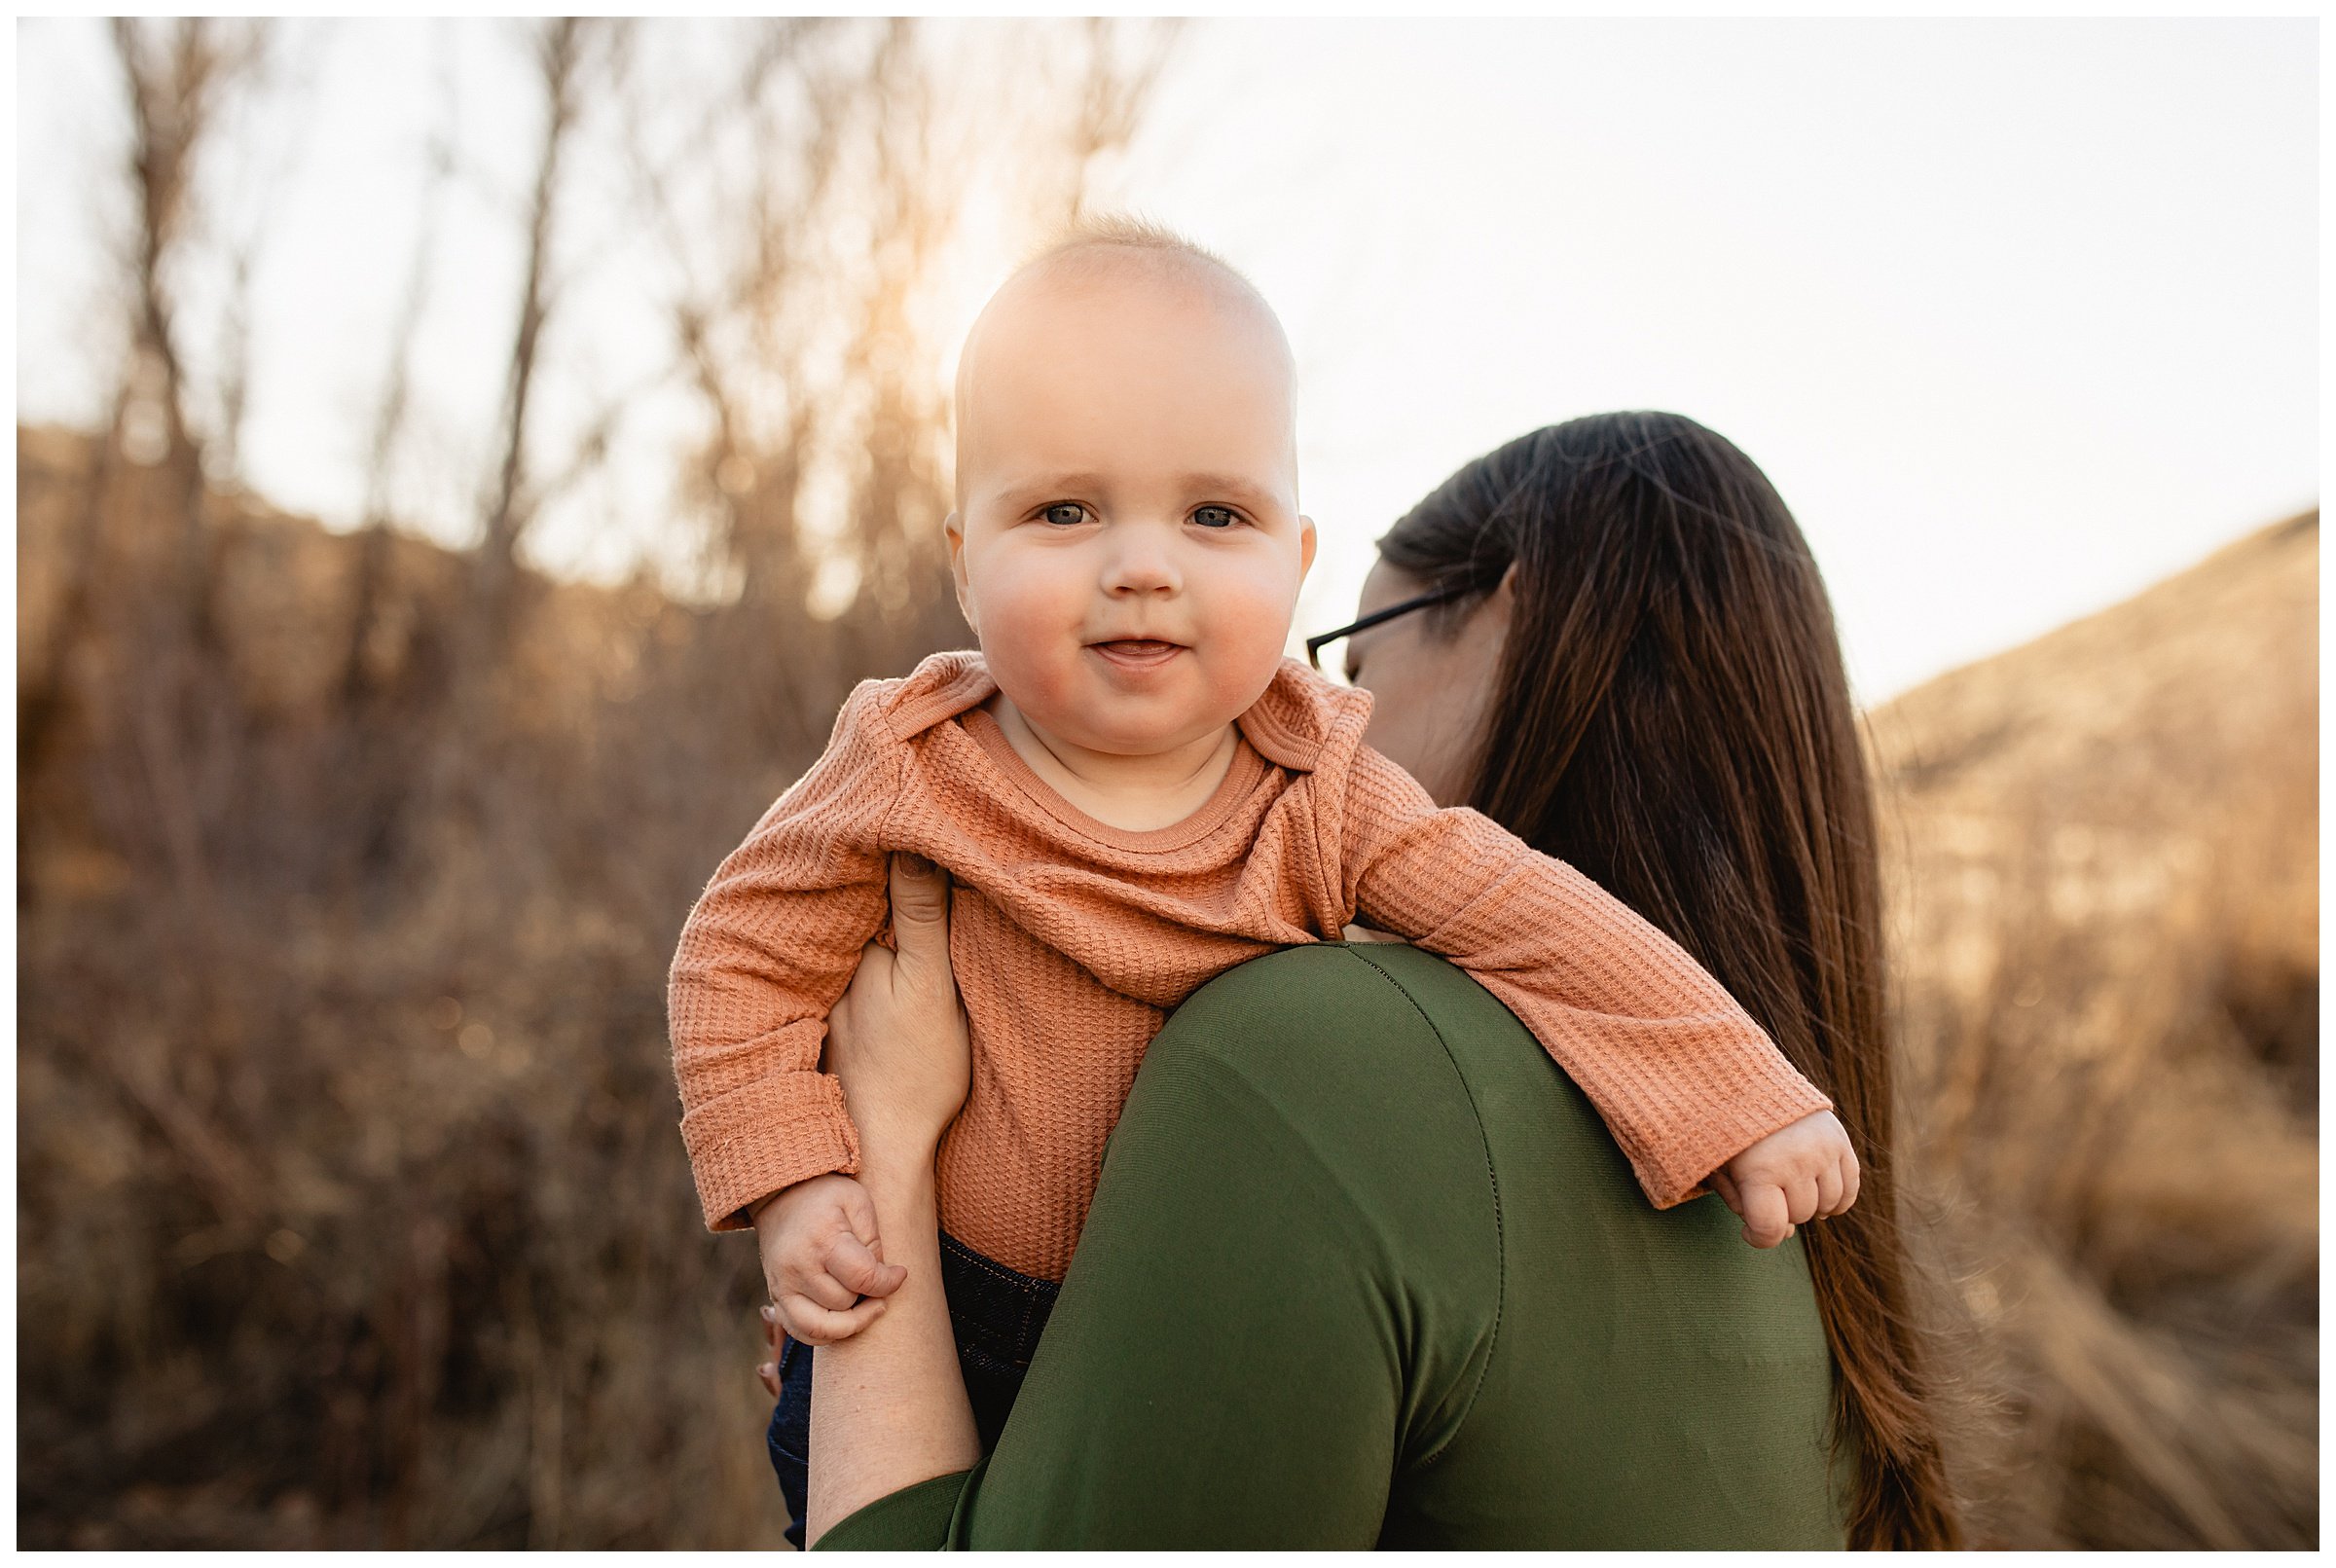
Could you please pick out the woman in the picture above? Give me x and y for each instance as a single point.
(1327, 1293)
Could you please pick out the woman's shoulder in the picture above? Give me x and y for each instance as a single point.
(1333, 1058)
(1352, 1026)
(1612, 1327)
(1397, 1063)
(1333, 1030)
(1312, 1098)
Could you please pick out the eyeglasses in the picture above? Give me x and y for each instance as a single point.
(1442, 595)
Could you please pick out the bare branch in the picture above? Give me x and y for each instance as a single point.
(390, 419)
(591, 448)
(224, 459)
(557, 58)
(176, 80)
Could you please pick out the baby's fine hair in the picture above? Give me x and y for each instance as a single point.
(1084, 244)
(1098, 245)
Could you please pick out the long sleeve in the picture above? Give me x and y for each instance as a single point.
(770, 947)
(1683, 1077)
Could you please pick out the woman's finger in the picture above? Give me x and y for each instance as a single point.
(919, 891)
(767, 1373)
(901, 1046)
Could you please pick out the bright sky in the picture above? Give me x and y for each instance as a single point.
(2018, 316)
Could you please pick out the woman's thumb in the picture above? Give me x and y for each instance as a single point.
(919, 893)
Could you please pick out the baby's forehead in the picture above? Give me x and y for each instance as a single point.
(1183, 347)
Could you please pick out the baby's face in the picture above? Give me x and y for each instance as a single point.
(1127, 545)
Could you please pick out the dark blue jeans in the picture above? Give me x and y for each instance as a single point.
(998, 1315)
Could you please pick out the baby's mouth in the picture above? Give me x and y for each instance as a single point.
(1138, 651)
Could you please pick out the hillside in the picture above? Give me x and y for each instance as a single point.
(288, 585)
(2103, 861)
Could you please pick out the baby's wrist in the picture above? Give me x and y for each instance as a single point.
(763, 1212)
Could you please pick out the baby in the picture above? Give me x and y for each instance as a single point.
(1134, 791)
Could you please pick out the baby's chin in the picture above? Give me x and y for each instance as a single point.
(1140, 709)
(1135, 735)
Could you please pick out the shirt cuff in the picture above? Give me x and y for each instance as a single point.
(764, 1136)
(915, 1518)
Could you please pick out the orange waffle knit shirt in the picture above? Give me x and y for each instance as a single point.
(1073, 939)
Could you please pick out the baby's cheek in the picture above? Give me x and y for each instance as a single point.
(1259, 626)
(1039, 677)
(1023, 642)
(1252, 639)
(1043, 689)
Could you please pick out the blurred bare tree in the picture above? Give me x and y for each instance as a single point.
(351, 1209)
(140, 512)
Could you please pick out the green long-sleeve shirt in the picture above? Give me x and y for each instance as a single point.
(1365, 1268)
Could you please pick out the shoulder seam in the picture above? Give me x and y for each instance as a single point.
(899, 788)
(874, 725)
(880, 707)
(1492, 1182)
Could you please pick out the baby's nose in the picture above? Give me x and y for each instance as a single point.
(1141, 567)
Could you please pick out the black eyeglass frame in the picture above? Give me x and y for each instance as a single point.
(1441, 595)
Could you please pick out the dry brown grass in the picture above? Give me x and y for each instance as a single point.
(350, 1206)
(2104, 870)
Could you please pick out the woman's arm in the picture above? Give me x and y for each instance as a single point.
(888, 1406)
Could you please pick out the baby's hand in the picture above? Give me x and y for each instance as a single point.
(821, 1255)
(1796, 1174)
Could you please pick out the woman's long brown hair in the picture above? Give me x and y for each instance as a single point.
(1672, 718)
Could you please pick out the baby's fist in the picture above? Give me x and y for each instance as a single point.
(1797, 1173)
(821, 1256)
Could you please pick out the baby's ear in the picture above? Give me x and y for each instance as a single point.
(953, 530)
(1306, 541)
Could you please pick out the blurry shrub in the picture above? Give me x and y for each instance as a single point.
(2104, 895)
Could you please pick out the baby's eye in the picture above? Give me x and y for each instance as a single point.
(1215, 517)
(1065, 514)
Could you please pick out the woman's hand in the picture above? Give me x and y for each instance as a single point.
(890, 1402)
(898, 1040)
